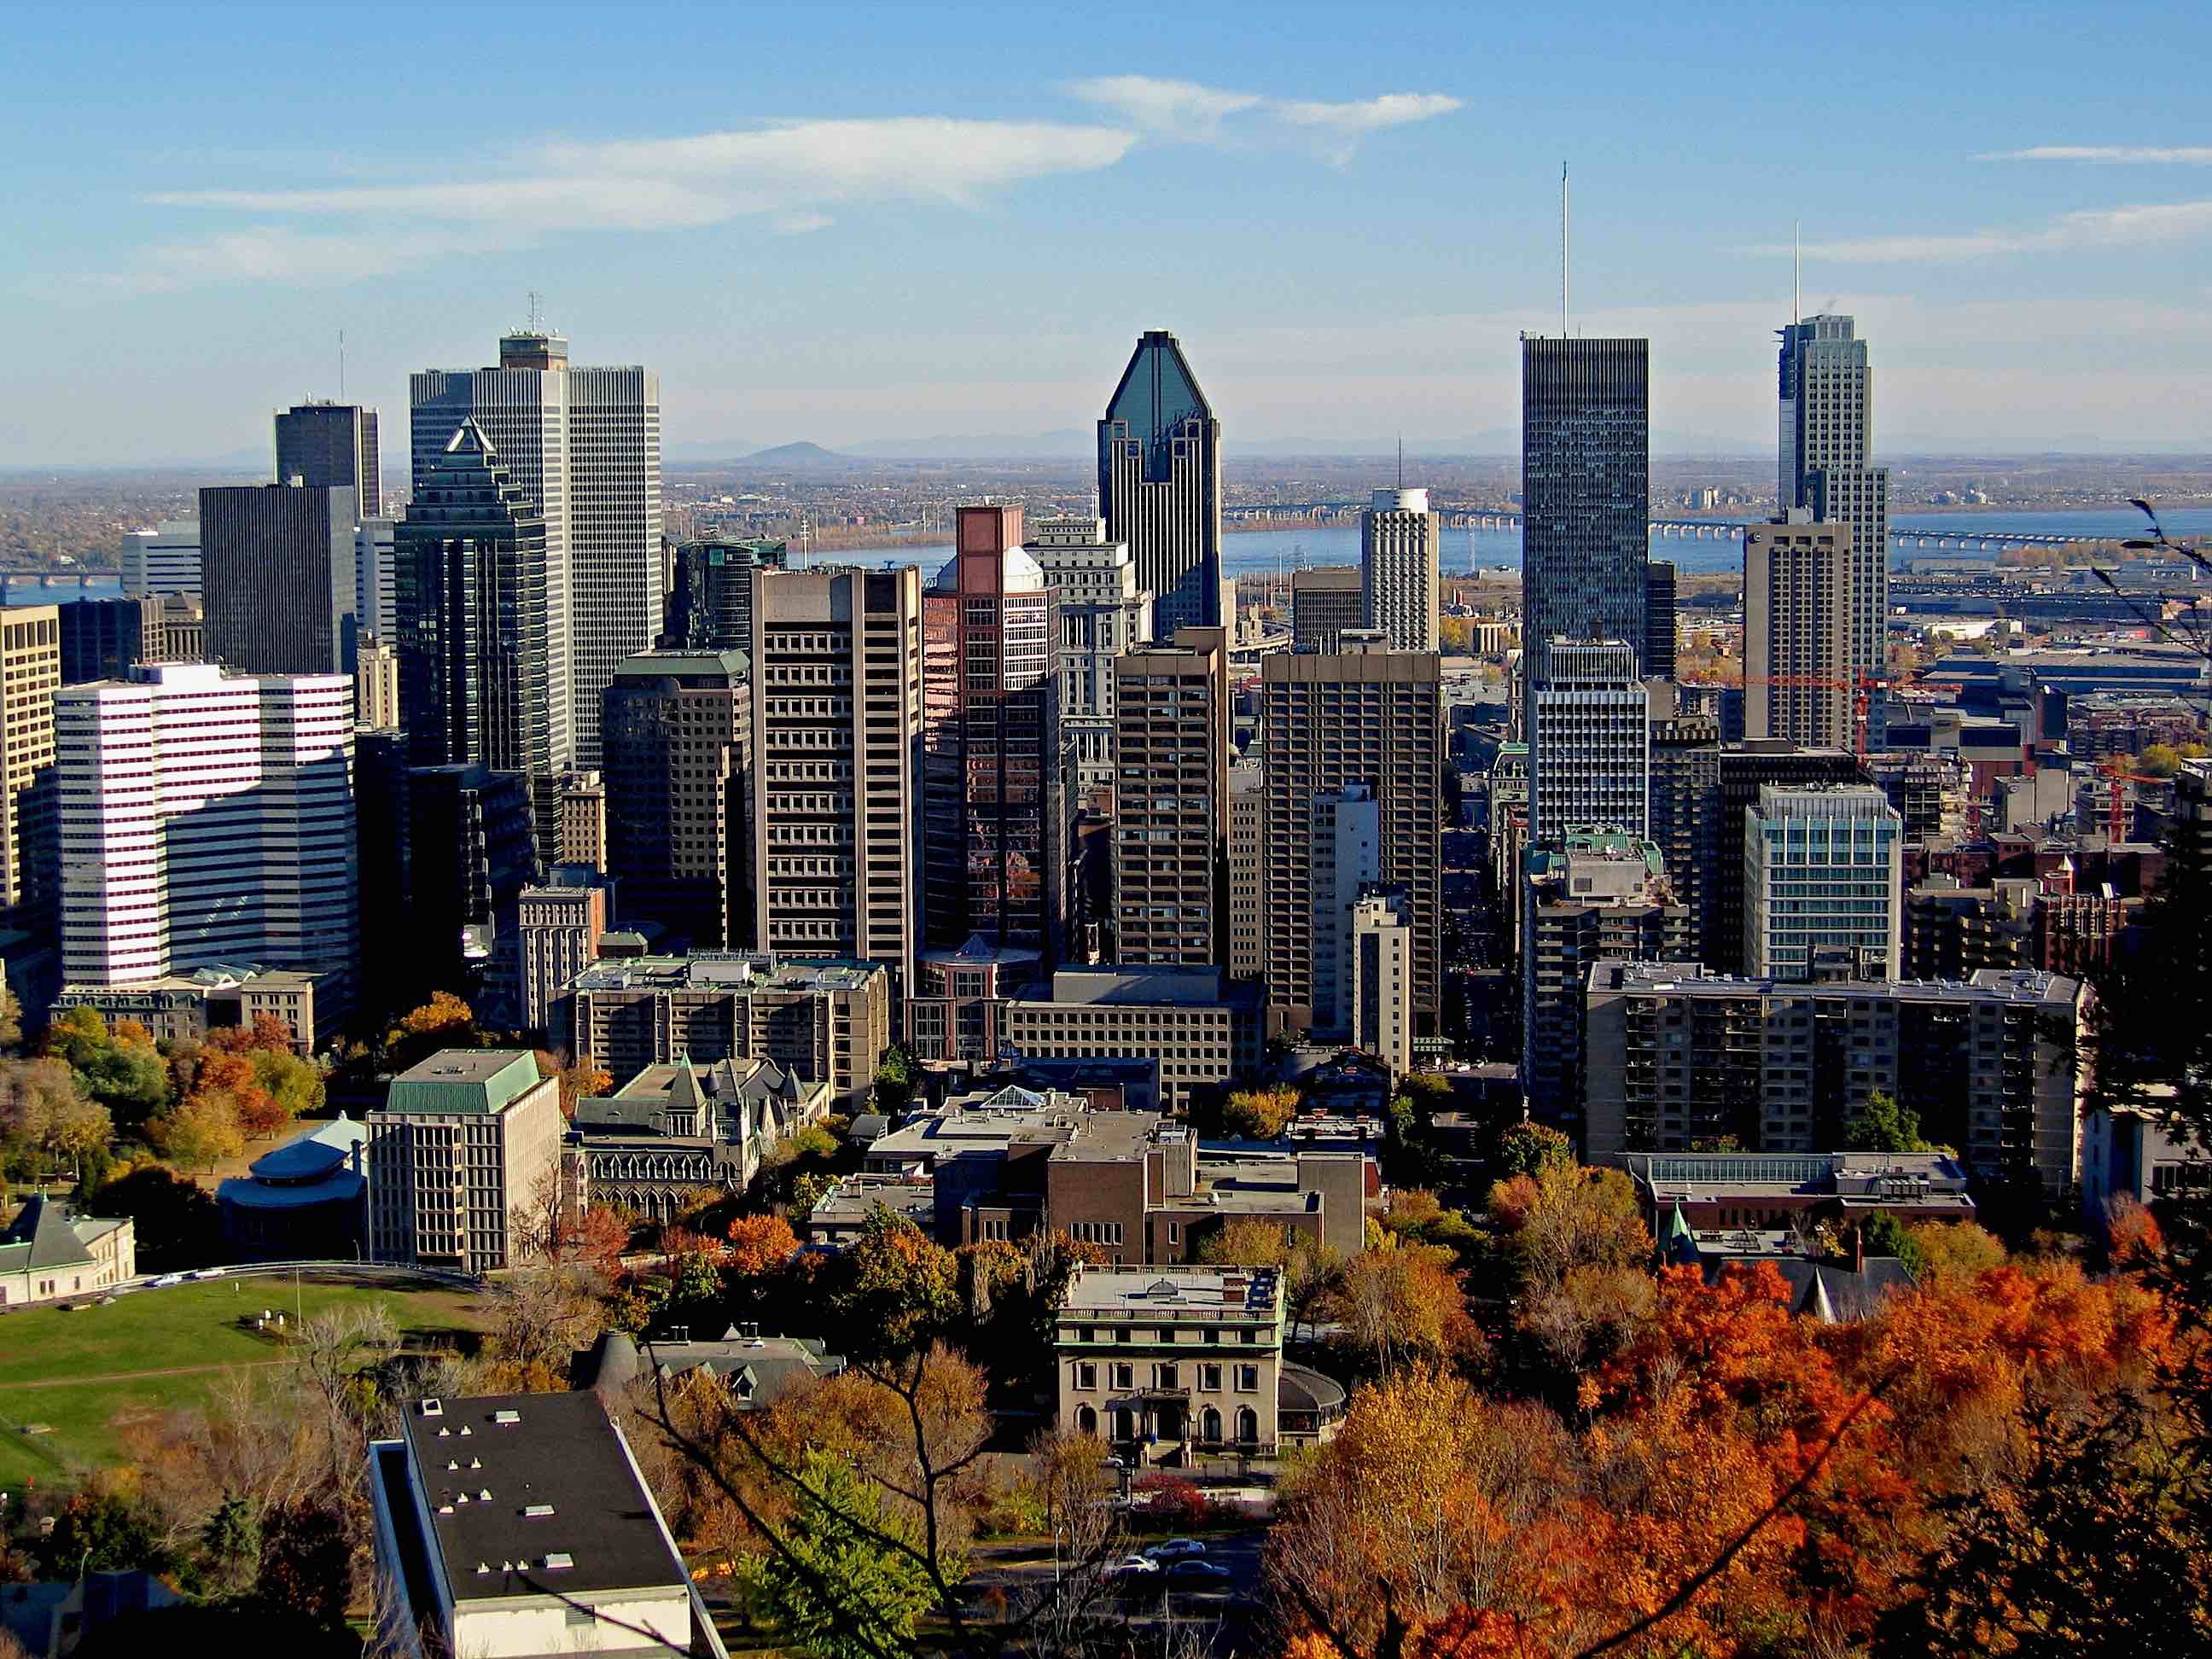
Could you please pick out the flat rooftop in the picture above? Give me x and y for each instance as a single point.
(725, 970)
(1256, 1290)
(535, 1494)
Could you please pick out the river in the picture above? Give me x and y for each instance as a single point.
(1262, 552)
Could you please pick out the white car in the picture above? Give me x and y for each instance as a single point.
(164, 1281)
(1176, 1549)
(1130, 1567)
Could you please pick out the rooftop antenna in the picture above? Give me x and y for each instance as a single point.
(536, 311)
(1797, 280)
(1563, 250)
(1402, 460)
(341, 365)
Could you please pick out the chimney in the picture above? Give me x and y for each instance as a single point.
(1858, 1247)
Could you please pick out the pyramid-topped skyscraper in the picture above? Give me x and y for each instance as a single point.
(1159, 484)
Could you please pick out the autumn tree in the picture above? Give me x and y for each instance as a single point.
(759, 1244)
(892, 1290)
(199, 1133)
(580, 1079)
(1259, 1114)
(1528, 1148)
(46, 1118)
(541, 1318)
(1401, 1305)
(444, 1021)
(118, 1067)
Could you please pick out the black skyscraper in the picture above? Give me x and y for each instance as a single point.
(332, 446)
(1159, 484)
(1585, 483)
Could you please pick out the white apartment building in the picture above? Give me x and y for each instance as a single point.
(1823, 872)
(462, 1141)
(1590, 744)
(1379, 995)
(1103, 612)
(1401, 569)
(163, 560)
(1347, 855)
(206, 819)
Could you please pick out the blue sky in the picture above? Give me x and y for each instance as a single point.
(847, 222)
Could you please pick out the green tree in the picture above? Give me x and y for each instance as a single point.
(1528, 1148)
(897, 1073)
(295, 1084)
(230, 1547)
(199, 1133)
(847, 1581)
(1884, 1125)
(103, 1532)
(1884, 1234)
(2159, 760)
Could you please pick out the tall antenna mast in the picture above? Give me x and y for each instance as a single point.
(534, 311)
(1402, 460)
(1563, 250)
(1797, 278)
(341, 365)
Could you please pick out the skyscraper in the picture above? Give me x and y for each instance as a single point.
(278, 566)
(1364, 715)
(1324, 603)
(1823, 884)
(1585, 491)
(1171, 747)
(30, 676)
(1102, 612)
(1401, 578)
(584, 445)
(709, 605)
(1826, 462)
(677, 732)
(327, 446)
(1588, 742)
(995, 836)
(1796, 630)
(478, 629)
(163, 560)
(836, 787)
(206, 819)
(1160, 481)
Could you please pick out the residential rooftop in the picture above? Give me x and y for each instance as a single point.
(1172, 1291)
(727, 969)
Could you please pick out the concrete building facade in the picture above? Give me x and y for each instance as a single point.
(464, 1140)
(1823, 877)
(1589, 742)
(1102, 612)
(677, 737)
(1324, 603)
(1797, 631)
(278, 566)
(30, 679)
(1171, 751)
(1400, 568)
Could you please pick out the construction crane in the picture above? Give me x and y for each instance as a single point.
(2117, 777)
(1861, 688)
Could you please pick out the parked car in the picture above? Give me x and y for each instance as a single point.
(1176, 1549)
(1192, 1567)
(1133, 1566)
(164, 1281)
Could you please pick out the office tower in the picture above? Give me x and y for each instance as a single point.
(676, 733)
(1739, 772)
(206, 819)
(1324, 603)
(1591, 898)
(1680, 1054)
(1347, 860)
(568, 818)
(105, 638)
(1400, 572)
(836, 839)
(1365, 715)
(1171, 750)
(30, 676)
(1103, 612)
(327, 446)
(1823, 884)
(1659, 613)
(995, 836)
(1589, 742)
(468, 857)
(709, 605)
(1827, 465)
(1159, 483)
(1585, 491)
(163, 560)
(460, 1149)
(558, 924)
(375, 555)
(1247, 817)
(279, 579)
(1378, 990)
(480, 628)
(519, 412)
(1686, 769)
(615, 587)
(1796, 630)
(376, 687)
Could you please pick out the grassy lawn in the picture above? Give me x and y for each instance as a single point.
(188, 1328)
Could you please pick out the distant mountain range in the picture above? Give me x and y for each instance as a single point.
(1072, 445)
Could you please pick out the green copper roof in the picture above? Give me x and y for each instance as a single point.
(482, 1080)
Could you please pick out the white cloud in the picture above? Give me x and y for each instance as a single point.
(1179, 108)
(786, 170)
(2193, 155)
(1192, 113)
(2117, 227)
